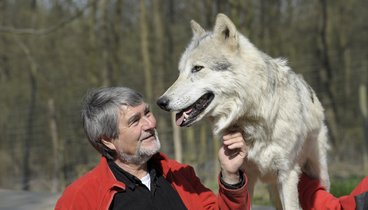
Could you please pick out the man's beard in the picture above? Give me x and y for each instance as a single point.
(143, 154)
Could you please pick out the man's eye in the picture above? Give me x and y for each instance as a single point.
(135, 122)
(197, 68)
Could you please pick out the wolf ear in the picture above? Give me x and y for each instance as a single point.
(225, 30)
(197, 29)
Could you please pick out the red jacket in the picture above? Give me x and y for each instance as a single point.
(313, 196)
(96, 189)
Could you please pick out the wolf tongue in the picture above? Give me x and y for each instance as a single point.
(179, 118)
(182, 116)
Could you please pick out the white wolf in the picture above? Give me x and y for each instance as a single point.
(225, 78)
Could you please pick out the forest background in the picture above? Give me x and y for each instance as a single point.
(53, 51)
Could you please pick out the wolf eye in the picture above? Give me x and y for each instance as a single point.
(197, 68)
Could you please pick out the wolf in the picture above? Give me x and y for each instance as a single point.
(224, 78)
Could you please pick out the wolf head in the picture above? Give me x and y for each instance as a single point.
(216, 72)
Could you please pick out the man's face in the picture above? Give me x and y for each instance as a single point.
(138, 139)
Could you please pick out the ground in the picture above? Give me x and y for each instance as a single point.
(20, 200)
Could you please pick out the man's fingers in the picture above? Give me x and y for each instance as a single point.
(232, 135)
(232, 140)
(236, 145)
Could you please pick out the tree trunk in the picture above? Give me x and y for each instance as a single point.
(190, 150)
(159, 46)
(216, 146)
(145, 52)
(177, 140)
(325, 78)
(203, 155)
(31, 114)
(105, 43)
(29, 139)
(57, 148)
(363, 109)
(159, 60)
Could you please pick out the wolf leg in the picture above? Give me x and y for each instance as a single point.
(288, 189)
(316, 164)
(322, 148)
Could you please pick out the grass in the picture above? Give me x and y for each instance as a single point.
(340, 186)
(261, 195)
(344, 186)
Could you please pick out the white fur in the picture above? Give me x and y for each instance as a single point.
(278, 113)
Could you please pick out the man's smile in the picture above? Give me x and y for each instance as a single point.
(150, 137)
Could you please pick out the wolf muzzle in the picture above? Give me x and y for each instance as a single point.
(163, 103)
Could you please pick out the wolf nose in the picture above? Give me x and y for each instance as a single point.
(163, 103)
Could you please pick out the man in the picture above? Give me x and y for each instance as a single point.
(133, 174)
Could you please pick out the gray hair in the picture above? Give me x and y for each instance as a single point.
(100, 114)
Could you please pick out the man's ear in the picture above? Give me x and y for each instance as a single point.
(108, 143)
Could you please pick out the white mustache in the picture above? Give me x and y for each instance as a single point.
(148, 134)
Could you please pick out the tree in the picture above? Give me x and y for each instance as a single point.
(31, 114)
(146, 58)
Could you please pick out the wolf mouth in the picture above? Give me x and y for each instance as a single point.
(188, 115)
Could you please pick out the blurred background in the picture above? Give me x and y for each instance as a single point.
(53, 51)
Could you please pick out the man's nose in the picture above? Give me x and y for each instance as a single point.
(149, 123)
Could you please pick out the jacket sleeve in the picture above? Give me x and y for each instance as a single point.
(226, 199)
(234, 198)
(312, 195)
(74, 199)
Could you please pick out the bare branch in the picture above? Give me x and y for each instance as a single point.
(45, 31)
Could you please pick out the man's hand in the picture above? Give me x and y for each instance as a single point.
(231, 156)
